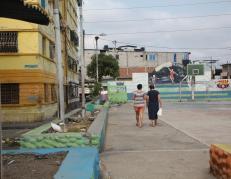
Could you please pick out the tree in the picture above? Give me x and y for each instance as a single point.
(107, 66)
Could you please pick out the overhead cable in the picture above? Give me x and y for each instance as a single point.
(158, 6)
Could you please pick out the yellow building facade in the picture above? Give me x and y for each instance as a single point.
(28, 65)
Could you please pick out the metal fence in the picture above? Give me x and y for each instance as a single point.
(214, 90)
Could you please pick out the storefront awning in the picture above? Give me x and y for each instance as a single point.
(18, 9)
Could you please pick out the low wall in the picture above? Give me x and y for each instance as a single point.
(80, 163)
(37, 139)
(173, 92)
(98, 127)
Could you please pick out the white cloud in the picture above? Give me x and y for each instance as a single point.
(199, 39)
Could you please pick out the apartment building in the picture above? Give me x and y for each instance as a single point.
(70, 42)
(226, 71)
(28, 65)
(137, 60)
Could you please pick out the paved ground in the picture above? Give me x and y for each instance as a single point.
(176, 149)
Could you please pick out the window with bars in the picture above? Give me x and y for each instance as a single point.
(72, 91)
(72, 64)
(9, 93)
(8, 42)
(74, 37)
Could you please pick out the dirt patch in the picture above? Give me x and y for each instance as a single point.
(10, 143)
(72, 126)
(76, 123)
(27, 166)
(11, 138)
(81, 126)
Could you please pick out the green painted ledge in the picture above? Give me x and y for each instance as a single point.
(57, 140)
(37, 139)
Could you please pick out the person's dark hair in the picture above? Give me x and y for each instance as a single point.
(139, 86)
(151, 87)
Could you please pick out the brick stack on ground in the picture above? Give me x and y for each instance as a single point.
(220, 161)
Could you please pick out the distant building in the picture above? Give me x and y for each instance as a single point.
(28, 65)
(137, 60)
(226, 71)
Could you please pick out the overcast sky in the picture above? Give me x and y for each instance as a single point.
(212, 31)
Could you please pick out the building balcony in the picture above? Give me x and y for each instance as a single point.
(26, 10)
(38, 3)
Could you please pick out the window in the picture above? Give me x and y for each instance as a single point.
(73, 91)
(74, 37)
(151, 57)
(72, 64)
(44, 46)
(9, 94)
(186, 56)
(8, 42)
(53, 93)
(46, 93)
(43, 3)
(52, 50)
(174, 58)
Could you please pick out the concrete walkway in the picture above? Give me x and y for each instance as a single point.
(168, 151)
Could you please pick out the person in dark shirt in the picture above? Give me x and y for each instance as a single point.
(154, 103)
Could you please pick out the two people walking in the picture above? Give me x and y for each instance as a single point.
(151, 99)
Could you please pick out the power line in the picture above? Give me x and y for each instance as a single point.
(158, 19)
(169, 31)
(217, 56)
(170, 5)
(181, 48)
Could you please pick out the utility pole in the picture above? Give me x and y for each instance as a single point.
(127, 61)
(114, 42)
(1, 163)
(81, 52)
(59, 60)
(211, 58)
(97, 59)
(228, 74)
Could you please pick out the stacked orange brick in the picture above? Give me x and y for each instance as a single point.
(220, 161)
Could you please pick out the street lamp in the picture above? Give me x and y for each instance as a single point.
(97, 56)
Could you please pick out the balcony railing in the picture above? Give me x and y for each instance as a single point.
(8, 42)
(41, 3)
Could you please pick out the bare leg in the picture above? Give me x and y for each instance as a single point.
(152, 123)
(137, 118)
(141, 117)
